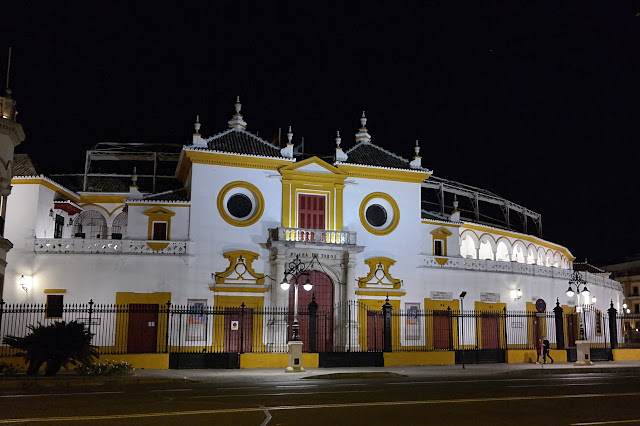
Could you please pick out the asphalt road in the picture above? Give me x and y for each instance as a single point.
(589, 399)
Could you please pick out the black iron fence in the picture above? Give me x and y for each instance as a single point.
(350, 327)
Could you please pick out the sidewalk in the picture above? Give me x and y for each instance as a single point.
(273, 375)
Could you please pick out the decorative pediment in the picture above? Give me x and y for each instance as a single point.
(313, 166)
(157, 213)
(441, 232)
(239, 275)
(379, 276)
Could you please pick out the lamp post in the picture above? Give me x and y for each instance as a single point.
(462, 295)
(581, 287)
(296, 269)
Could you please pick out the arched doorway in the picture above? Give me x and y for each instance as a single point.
(323, 292)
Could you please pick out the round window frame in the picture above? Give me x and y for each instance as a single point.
(369, 199)
(258, 199)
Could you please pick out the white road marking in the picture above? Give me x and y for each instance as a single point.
(559, 384)
(285, 393)
(171, 390)
(242, 387)
(297, 386)
(267, 417)
(57, 394)
(314, 407)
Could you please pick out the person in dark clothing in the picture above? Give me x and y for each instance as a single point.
(545, 350)
(538, 350)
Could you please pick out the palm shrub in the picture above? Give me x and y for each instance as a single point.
(57, 344)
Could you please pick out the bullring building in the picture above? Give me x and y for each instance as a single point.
(218, 222)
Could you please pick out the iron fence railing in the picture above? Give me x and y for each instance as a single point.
(355, 326)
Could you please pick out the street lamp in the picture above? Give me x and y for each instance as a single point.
(462, 295)
(581, 287)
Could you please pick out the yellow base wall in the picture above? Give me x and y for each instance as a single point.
(626, 354)
(275, 360)
(395, 359)
(139, 361)
(529, 355)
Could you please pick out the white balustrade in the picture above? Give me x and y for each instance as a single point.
(100, 246)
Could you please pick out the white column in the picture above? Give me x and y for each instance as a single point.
(277, 325)
(351, 324)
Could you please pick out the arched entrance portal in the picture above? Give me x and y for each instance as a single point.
(324, 292)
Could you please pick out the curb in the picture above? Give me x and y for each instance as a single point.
(363, 375)
(32, 383)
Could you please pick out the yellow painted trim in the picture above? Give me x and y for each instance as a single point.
(159, 214)
(55, 290)
(440, 305)
(109, 213)
(128, 298)
(626, 354)
(529, 238)
(379, 264)
(381, 292)
(254, 190)
(253, 360)
(158, 205)
(398, 359)
(158, 247)
(247, 289)
(436, 222)
(234, 259)
(441, 234)
(394, 206)
(376, 305)
(412, 176)
(442, 260)
(93, 198)
(46, 184)
(530, 356)
(228, 301)
(218, 159)
(497, 308)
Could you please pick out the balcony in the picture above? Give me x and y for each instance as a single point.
(316, 236)
(99, 246)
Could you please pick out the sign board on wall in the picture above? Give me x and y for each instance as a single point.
(441, 295)
(489, 297)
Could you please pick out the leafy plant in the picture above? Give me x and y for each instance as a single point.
(8, 370)
(106, 368)
(57, 344)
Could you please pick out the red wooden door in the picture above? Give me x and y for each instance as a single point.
(375, 321)
(441, 329)
(143, 328)
(323, 292)
(490, 332)
(238, 330)
(311, 212)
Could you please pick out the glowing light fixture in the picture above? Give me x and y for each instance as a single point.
(24, 282)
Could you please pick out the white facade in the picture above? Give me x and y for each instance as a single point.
(409, 258)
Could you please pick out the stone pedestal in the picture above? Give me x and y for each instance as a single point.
(295, 358)
(583, 349)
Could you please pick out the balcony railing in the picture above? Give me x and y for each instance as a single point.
(318, 236)
(77, 245)
(514, 268)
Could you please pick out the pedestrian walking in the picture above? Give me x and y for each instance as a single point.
(545, 350)
(538, 350)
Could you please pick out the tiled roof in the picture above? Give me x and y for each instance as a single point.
(22, 166)
(176, 195)
(242, 142)
(367, 154)
(584, 266)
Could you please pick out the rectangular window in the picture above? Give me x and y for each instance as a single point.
(159, 231)
(59, 226)
(311, 211)
(438, 248)
(636, 309)
(54, 305)
(635, 290)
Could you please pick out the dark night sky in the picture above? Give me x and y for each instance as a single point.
(536, 103)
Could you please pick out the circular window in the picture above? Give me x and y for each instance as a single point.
(239, 206)
(376, 215)
(240, 203)
(379, 213)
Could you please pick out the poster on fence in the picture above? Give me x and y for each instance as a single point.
(412, 324)
(197, 321)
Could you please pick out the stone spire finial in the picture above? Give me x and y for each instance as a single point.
(455, 214)
(341, 157)
(197, 125)
(237, 123)
(287, 151)
(133, 188)
(134, 177)
(363, 134)
(289, 136)
(417, 160)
